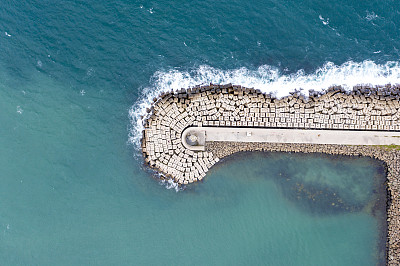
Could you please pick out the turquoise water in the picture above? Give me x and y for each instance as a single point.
(75, 76)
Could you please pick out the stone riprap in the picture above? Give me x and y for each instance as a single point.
(362, 109)
(234, 106)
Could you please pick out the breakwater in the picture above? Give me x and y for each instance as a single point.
(187, 156)
(164, 138)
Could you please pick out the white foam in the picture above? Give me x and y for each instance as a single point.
(171, 184)
(266, 78)
(19, 110)
(324, 21)
(371, 16)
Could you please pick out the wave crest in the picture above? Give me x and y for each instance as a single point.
(266, 78)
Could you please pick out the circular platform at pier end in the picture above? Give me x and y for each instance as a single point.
(193, 138)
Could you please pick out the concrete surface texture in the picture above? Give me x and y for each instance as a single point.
(339, 137)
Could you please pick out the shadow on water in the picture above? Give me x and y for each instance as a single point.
(324, 185)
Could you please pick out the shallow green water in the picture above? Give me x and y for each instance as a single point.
(293, 222)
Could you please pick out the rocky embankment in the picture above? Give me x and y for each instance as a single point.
(235, 106)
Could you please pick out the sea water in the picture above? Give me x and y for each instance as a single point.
(75, 78)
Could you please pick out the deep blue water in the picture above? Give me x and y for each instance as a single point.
(75, 77)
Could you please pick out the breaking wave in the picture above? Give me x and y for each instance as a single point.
(266, 78)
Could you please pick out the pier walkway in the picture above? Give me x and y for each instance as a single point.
(273, 135)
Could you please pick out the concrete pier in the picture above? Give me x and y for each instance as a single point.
(269, 135)
(188, 131)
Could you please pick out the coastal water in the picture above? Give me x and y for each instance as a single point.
(75, 76)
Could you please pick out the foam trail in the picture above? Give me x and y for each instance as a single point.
(269, 79)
